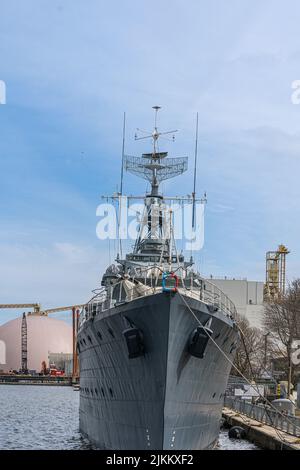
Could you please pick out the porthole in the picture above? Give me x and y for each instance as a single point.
(99, 335)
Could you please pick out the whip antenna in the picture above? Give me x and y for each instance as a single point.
(123, 148)
(121, 182)
(195, 174)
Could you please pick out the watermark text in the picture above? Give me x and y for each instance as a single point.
(172, 221)
(2, 92)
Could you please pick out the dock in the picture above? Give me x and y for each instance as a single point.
(35, 380)
(263, 435)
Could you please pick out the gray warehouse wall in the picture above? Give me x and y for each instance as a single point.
(246, 295)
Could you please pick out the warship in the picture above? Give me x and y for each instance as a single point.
(154, 340)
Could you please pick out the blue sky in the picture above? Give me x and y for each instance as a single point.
(72, 67)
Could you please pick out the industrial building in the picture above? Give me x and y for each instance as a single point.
(62, 361)
(44, 335)
(248, 297)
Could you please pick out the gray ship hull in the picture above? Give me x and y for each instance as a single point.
(166, 399)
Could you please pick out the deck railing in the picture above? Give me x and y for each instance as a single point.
(199, 289)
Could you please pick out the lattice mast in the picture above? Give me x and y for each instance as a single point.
(155, 167)
(24, 344)
(275, 273)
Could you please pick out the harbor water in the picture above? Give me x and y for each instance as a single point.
(46, 417)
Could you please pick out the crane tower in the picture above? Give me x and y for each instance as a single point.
(24, 345)
(275, 273)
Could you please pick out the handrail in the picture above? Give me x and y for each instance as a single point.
(206, 291)
(264, 414)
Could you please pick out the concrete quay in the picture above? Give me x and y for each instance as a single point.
(261, 434)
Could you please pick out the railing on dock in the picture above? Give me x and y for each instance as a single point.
(265, 414)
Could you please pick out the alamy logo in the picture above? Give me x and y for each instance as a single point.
(2, 92)
(172, 221)
(295, 356)
(2, 352)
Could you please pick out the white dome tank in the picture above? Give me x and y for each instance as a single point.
(44, 335)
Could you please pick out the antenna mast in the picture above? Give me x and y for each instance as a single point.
(155, 167)
(123, 149)
(121, 182)
(158, 167)
(195, 173)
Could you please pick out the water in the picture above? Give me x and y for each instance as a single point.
(46, 417)
(39, 417)
(234, 444)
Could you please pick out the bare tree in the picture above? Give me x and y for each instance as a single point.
(249, 354)
(282, 319)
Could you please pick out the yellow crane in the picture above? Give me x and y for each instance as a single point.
(62, 309)
(275, 273)
(37, 310)
(36, 307)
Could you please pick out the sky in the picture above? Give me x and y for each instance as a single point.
(71, 68)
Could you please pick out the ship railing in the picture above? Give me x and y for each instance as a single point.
(207, 292)
(92, 307)
(211, 294)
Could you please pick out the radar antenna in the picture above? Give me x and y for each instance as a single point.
(158, 167)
